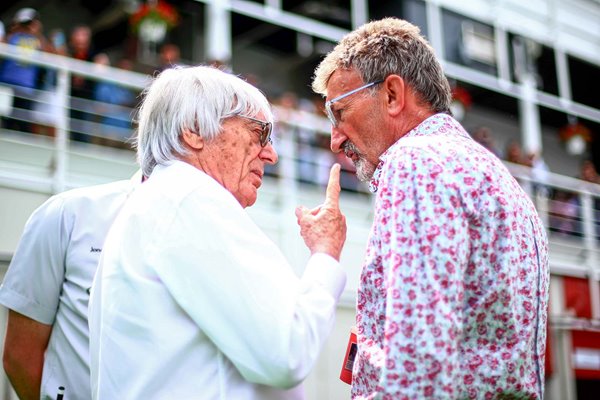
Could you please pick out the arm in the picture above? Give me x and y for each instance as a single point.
(235, 280)
(32, 302)
(36, 29)
(23, 359)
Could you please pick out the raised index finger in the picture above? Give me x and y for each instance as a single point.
(332, 195)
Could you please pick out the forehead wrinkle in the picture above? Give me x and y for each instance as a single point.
(345, 80)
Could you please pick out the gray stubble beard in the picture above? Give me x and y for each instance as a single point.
(364, 169)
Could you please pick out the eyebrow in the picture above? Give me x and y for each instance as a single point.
(256, 124)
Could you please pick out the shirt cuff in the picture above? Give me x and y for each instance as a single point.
(27, 307)
(327, 272)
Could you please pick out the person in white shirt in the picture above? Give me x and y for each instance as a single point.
(191, 299)
(46, 290)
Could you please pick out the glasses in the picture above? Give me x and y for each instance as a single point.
(266, 129)
(328, 104)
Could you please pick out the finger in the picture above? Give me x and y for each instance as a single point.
(300, 211)
(332, 195)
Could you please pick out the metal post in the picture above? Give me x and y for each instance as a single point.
(562, 384)
(276, 4)
(434, 28)
(562, 71)
(218, 31)
(542, 205)
(288, 194)
(502, 55)
(530, 116)
(528, 109)
(589, 236)
(360, 12)
(59, 177)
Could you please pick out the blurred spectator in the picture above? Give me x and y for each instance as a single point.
(2, 32)
(113, 107)
(168, 56)
(514, 153)
(59, 42)
(25, 33)
(287, 106)
(80, 45)
(563, 213)
(225, 66)
(80, 48)
(483, 136)
(589, 173)
(312, 158)
(539, 169)
(539, 173)
(46, 107)
(324, 159)
(318, 105)
(566, 214)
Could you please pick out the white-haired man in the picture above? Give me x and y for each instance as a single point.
(191, 299)
(452, 299)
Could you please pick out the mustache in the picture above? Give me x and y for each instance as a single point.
(349, 147)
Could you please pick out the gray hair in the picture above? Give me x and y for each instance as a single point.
(384, 47)
(198, 99)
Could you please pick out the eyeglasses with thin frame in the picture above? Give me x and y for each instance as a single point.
(266, 129)
(328, 104)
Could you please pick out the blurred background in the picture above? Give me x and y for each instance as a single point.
(526, 83)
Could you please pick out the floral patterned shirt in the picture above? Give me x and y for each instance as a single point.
(452, 299)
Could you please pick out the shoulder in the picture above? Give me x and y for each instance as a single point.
(180, 182)
(417, 152)
(98, 196)
(96, 192)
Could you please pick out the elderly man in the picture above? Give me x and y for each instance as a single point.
(452, 299)
(191, 299)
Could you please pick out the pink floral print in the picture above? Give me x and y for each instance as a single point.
(452, 299)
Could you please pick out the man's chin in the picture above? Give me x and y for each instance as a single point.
(364, 170)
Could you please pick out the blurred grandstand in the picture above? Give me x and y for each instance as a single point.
(527, 71)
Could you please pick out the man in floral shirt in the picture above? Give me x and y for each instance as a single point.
(452, 300)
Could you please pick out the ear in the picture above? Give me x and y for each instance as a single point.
(395, 92)
(192, 140)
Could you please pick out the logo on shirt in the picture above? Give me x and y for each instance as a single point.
(95, 250)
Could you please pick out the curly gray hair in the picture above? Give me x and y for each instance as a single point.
(384, 47)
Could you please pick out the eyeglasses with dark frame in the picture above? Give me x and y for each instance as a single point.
(328, 104)
(266, 129)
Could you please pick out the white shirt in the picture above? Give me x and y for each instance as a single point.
(193, 301)
(52, 271)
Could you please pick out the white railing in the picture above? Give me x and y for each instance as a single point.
(62, 102)
(301, 139)
(50, 164)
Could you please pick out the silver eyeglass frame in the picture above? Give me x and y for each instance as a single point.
(328, 104)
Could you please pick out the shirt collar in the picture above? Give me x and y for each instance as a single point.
(426, 127)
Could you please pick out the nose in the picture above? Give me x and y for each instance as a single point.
(268, 154)
(337, 139)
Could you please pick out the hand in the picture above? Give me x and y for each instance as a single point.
(324, 228)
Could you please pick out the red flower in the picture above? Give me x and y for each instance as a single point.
(574, 129)
(461, 94)
(158, 11)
